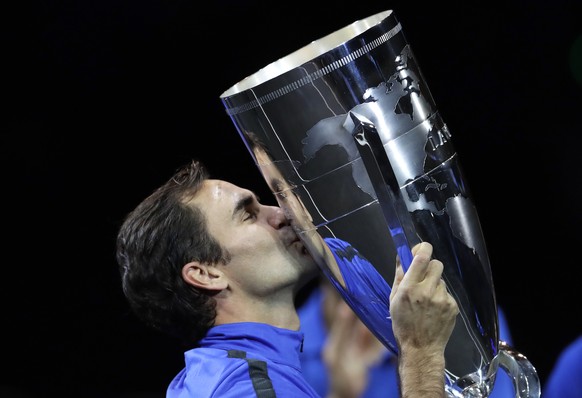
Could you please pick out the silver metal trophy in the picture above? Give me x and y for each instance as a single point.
(348, 137)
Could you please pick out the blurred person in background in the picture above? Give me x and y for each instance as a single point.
(337, 343)
(565, 378)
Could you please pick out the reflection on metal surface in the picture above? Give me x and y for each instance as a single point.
(365, 168)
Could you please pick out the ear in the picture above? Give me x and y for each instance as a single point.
(204, 276)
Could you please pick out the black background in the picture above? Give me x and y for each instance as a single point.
(103, 100)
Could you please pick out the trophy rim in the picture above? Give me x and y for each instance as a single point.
(306, 53)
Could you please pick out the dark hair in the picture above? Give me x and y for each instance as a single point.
(162, 234)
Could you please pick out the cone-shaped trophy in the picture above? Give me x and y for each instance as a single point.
(348, 138)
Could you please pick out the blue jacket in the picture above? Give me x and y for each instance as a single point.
(243, 360)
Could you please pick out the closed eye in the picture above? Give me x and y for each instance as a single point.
(250, 216)
(246, 208)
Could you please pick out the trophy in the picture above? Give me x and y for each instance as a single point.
(349, 140)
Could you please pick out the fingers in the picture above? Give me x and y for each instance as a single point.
(398, 275)
(416, 248)
(434, 272)
(418, 268)
(421, 270)
(423, 312)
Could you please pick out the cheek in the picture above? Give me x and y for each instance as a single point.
(255, 246)
(257, 238)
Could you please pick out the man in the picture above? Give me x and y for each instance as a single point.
(203, 260)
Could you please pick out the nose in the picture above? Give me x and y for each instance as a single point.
(277, 218)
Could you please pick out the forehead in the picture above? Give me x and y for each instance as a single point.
(218, 198)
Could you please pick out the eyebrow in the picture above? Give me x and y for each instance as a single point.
(243, 203)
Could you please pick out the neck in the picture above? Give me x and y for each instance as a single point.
(276, 312)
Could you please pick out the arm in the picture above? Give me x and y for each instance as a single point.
(423, 316)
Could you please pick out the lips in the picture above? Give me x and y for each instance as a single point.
(293, 239)
(290, 237)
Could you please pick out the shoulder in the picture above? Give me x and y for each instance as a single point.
(209, 373)
(212, 373)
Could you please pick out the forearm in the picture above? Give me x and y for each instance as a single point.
(421, 375)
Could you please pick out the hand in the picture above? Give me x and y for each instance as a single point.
(423, 317)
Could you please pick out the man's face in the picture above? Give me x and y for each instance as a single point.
(266, 254)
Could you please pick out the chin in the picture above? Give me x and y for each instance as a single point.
(311, 268)
(309, 274)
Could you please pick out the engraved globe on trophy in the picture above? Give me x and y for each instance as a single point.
(349, 139)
